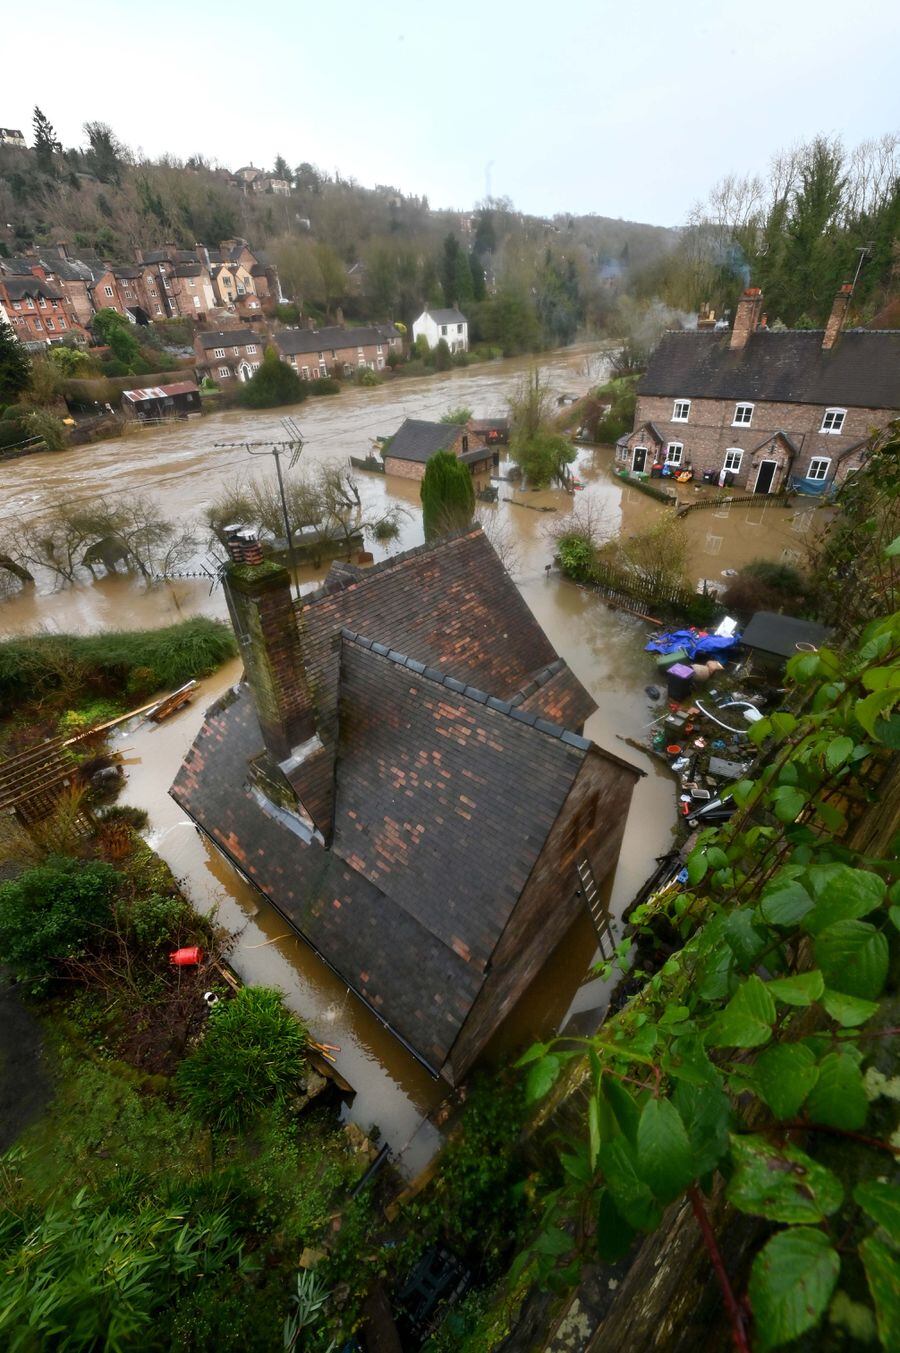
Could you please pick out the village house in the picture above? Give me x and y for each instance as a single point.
(11, 136)
(410, 449)
(762, 410)
(336, 351)
(450, 325)
(235, 287)
(229, 355)
(401, 775)
(38, 310)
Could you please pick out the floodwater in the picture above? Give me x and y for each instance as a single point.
(184, 467)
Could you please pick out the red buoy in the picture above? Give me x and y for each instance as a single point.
(187, 958)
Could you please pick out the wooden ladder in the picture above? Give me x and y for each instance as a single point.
(600, 917)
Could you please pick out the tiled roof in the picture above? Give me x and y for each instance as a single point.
(294, 341)
(188, 270)
(451, 316)
(19, 287)
(450, 605)
(862, 370)
(228, 338)
(418, 440)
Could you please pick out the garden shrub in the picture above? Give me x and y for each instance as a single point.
(250, 1058)
(156, 920)
(53, 912)
(366, 376)
(51, 430)
(766, 585)
(325, 385)
(274, 383)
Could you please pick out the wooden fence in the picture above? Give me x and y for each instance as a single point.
(731, 499)
(642, 596)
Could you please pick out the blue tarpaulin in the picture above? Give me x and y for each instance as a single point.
(693, 641)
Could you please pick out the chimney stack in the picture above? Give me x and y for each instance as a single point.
(62, 249)
(835, 325)
(746, 317)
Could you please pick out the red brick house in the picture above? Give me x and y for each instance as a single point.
(401, 777)
(410, 449)
(336, 351)
(38, 310)
(229, 355)
(761, 410)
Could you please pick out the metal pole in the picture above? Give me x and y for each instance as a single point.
(287, 523)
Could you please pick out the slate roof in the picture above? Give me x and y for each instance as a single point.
(451, 316)
(19, 287)
(862, 370)
(418, 440)
(292, 342)
(788, 440)
(188, 270)
(228, 338)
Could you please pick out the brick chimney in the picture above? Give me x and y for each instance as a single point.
(300, 769)
(835, 325)
(746, 317)
(62, 249)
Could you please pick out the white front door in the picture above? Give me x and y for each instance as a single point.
(639, 458)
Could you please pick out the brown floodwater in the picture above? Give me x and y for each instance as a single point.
(183, 468)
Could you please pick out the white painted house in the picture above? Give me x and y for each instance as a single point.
(447, 324)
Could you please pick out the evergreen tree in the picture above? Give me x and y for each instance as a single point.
(463, 286)
(281, 170)
(449, 256)
(476, 268)
(46, 143)
(448, 497)
(106, 153)
(15, 366)
(274, 383)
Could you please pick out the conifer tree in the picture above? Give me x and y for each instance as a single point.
(46, 142)
(15, 366)
(448, 498)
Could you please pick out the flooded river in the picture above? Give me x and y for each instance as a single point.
(184, 468)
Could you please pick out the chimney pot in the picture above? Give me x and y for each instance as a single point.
(746, 317)
(835, 325)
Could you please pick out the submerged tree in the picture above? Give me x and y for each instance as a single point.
(274, 383)
(15, 365)
(542, 453)
(448, 497)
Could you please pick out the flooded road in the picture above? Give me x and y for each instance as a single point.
(184, 469)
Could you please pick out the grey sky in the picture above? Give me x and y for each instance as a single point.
(624, 110)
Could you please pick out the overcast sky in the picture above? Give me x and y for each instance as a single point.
(627, 109)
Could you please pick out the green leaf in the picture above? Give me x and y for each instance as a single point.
(842, 894)
(880, 1265)
(869, 710)
(747, 1019)
(849, 1011)
(893, 548)
(783, 1076)
(837, 752)
(894, 914)
(687, 1061)
(741, 791)
(838, 1097)
(791, 1283)
(663, 1151)
(532, 1054)
(706, 1114)
(801, 988)
(745, 942)
(625, 1110)
(784, 903)
(613, 1236)
(577, 1166)
(630, 1193)
(696, 867)
(788, 803)
(542, 1076)
(853, 956)
(555, 1242)
(781, 1183)
(881, 1201)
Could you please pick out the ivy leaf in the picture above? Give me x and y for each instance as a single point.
(838, 1097)
(784, 903)
(747, 1019)
(848, 1011)
(791, 1283)
(781, 1183)
(882, 1203)
(630, 1193)
(881, 1275)
(783, 1076)
(706, 1114)
(663, 1150)
(542, 1077)
(842, 894)
(613, 1235)
(837, 752)
(801, 988)
(853, 956)
(788, 803)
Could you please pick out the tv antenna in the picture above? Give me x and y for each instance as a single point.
(864, 250)
(292, 447)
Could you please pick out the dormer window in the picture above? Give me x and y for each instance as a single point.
(681, 411)
(743, 416)
(833, 421)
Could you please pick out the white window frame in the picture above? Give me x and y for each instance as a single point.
(61, 322)
(159, 308)
(739, 409)
(255, 365)
(36, 322)
(197, 302)
(304, 372)
(49, 322)
(681, 417)
(224, 372)
(816, 461)
(218, 352)
(833, 420)
(730, 454)
(43, 302)
(671, 458)
(251, 348)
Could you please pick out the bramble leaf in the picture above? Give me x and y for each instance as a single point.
(781, 1183)
(663, 1150)
(791, 1283)
(706, 1114)
(801, 988)
(630, 1193)
(784, 903)
(838, 1097)
(842, 894)
(853, 956)
(783, 1076)
(849, 1011)
(747, 1019)
(542, 1076)
(881, 1201)
(837, 752)
(881, 1275)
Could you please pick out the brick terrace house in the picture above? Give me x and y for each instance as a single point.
(229, 355)
(400, 776)
(410, 449)
(761, 410)
(336, 351)
(38, 310)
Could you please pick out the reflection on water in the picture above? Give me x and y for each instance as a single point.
(182, 467)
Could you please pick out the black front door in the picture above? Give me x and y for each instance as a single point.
(639, 458)
(765, 476)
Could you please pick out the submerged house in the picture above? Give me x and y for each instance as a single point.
(763, 410)
(402, 775)
(416, 440)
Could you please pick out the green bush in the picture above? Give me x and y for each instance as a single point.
(274, 383)
(131, 662)
(48, 427)
(366, 376)
(250, 1058)
(52, 912)
(324, 385)
(156, 920)
(766, 585)
(287, 313)
(577, 558)
(12, 432)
